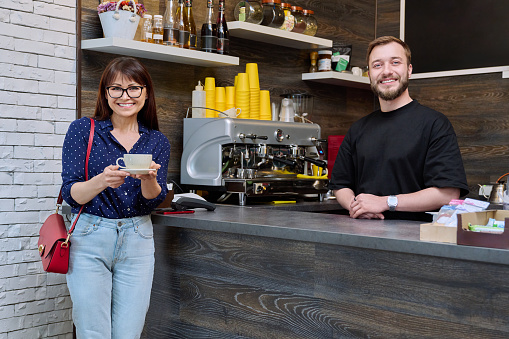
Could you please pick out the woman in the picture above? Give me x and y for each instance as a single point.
(112, 254)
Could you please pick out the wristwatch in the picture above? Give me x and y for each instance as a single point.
(392, 202)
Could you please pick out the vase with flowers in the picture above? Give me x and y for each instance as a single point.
(120, 18)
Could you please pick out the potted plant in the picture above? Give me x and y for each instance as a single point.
(120, 19)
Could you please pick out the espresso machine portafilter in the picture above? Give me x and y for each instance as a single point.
(251, 157)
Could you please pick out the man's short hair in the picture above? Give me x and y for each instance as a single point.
(384, 40)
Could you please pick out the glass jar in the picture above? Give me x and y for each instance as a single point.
(273, 15)
(324, 61)
(311, 23)
(158, 30)
(146, 28)
(248, 11)
(300, 24)
(289, 19)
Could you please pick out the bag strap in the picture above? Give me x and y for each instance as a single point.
(60, 199)
(89, 148)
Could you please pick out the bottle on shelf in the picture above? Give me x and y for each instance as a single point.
(192, 27)
(313, 56)
(158, 29)
(311, 23)
(248, 11)
(146, 29)
(171, 29)
(209, 31)
(183, 25)
(223, 35)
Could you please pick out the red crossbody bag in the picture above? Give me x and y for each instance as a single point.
(54, 244)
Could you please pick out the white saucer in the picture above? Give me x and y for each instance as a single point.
(137, 170)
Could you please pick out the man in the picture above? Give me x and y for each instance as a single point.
(403, 158)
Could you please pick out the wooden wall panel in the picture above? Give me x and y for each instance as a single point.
(387, 17)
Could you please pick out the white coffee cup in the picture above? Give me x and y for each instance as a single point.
(287, 112)
(136, 161)
(357, 71)
(232, 112)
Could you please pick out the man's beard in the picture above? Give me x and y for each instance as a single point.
(390, 95)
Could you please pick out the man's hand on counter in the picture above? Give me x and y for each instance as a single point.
(362, 206)
(368, 206)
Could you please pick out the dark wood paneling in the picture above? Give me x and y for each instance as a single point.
(388, 12)
(222, 285)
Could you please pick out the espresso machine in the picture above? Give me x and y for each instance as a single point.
(254, 158)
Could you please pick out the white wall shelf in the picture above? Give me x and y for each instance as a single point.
(276, 36)
(158, 52)
(338, 78)
(484, 70)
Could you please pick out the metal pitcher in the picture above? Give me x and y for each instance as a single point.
(497, 194)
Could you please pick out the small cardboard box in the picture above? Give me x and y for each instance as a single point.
(466, 237)
(438, 232)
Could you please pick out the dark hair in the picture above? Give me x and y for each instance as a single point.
(133, 70)
(384, 40)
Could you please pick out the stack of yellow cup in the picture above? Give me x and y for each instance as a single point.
(210, 97)
(265, 109)
(220, 101)
(254, 90)
(242, 95)
(230, 96)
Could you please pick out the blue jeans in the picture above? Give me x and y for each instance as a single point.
(111, 267)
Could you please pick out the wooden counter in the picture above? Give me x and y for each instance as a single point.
(242, 272)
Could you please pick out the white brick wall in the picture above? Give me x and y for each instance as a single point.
(37, 103)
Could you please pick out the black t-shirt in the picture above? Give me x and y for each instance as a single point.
(398, 152)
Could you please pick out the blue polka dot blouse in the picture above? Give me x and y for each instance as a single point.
(125, 201)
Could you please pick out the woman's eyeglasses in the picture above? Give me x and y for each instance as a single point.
(116, 92)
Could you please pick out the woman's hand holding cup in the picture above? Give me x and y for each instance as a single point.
(113, 177)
